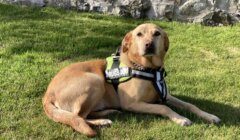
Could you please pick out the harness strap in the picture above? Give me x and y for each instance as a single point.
(157, 80)
(116, 64)
(160, 86)
(142, 75)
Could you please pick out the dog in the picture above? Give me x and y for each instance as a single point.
(80, 90)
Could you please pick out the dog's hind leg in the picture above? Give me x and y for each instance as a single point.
(184, 105)
(98, 114)
(66, 117)
(99, 122)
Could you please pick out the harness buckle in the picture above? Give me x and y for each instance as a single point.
(115, 58)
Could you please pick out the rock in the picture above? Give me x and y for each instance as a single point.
(132, 8)
(192, 7)
(101, 6)
(82, 6)
(39, 3)
(60, 3)
(221, 4)
(207, 12)
(162, 9)
(217, 18)
(138, 7)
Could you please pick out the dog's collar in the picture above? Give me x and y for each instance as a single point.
(142, 68)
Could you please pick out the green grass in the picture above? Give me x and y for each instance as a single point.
(203, 65)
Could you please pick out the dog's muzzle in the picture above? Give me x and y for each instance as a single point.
(149, 48)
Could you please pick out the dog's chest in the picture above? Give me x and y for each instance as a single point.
(140, 90)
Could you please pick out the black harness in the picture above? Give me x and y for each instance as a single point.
(116, 74)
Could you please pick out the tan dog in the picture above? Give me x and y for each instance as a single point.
(80, 90)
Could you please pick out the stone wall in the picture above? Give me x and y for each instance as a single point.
(207, 12)
(40, 3)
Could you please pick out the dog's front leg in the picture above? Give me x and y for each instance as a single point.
(184, 105)
(163, 110)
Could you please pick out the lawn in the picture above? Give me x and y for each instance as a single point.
(203, 65)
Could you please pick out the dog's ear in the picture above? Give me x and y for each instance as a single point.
(166, 42)
(126, 43)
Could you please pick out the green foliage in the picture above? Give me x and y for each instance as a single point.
(203, 65)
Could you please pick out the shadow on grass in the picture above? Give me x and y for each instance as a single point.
(93, 47)
(66, 35)
(65, 38)
(14, 13)
(230, 116)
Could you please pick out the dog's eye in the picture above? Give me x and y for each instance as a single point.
(157, 33)
(139, 34)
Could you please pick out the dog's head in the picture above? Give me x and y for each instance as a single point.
(147, 45)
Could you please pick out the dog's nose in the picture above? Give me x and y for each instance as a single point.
(149, 45)
(149, 48)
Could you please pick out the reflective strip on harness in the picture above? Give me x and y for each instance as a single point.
(116, 73)
(136, 72)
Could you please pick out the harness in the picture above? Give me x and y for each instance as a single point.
(117, 72)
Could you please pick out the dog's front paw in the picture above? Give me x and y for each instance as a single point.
(213, 119)
(106, 122)
(182, 121)
(185, 122)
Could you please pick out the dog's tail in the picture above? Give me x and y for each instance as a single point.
(65, 117)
